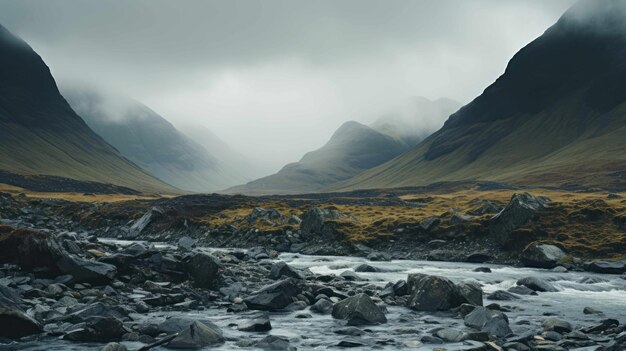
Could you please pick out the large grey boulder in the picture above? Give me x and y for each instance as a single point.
(537, 284)
(101, 329)
(186, 243)
(607, 267)
(557, 325)
(197, 335)
(203, 269)
(86, 271)
(32, 249)
(359, 310)
(518, 212)
(541, 256)
(282, 269)
(258, 324)
(472, 292)
(321, 222)
(114, 346)
(275, 296)
(434, 293)
(14, 322)
(274, 343)
(493, 322)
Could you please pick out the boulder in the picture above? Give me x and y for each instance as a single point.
(433, 293)
(359, 310)
(378, 256)
(493, 322)
(591, 310)
(472, 292)
(366, 268)
(282, 269)
(197, 335)
(32, 250)
(28, 249)
(557, 325)
(400, 288)
(274, 343)
(269, 215)
(607, 267)
(86, 271)
(98, 309)
(322, 222)
(522, 290)
(520, 210)
(114, 346)
(14, 322)
(322, 306)
(501, 295)
(478, 257)
(541, 256)
(537, 284)
(203, 269)
(450, 335)
(101, 329)
(351, 276)
(186, 243)
(275, 296)
(257, 324)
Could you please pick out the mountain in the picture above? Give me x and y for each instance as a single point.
(233, 161)
(354, 147)
(150, 141)
(40, 134)
(415, 119)
(557, 116)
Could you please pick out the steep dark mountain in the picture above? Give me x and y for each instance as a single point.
(150, 141)
(354, 147)
(556, 116)
(40, 134)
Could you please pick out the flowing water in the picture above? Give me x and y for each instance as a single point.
(577, 290)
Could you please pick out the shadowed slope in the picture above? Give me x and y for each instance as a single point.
(556, 116)
(41, 134)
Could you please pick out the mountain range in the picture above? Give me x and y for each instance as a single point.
(154, 144)
(557, 116)
(354, 148)
(40, 134)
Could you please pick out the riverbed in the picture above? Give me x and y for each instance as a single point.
(576, 290)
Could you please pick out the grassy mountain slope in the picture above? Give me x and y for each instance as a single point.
(41, 134)
(556, 116)
(150, 141)
(353, 148)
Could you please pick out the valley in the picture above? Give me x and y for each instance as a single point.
(408, 221)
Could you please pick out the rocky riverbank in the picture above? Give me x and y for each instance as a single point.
(79, 290)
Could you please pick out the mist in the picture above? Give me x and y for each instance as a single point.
(274, 79)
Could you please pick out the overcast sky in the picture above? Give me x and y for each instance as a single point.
(274, 79)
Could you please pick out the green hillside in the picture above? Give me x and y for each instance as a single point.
(557, 116)
(353, 148)
(41, 135)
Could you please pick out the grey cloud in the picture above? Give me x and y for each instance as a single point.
(293, 69)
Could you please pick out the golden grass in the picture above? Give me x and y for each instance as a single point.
(580, 222)
(78, 197)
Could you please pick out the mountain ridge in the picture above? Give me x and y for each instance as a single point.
(41, 135)
(555, 116)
